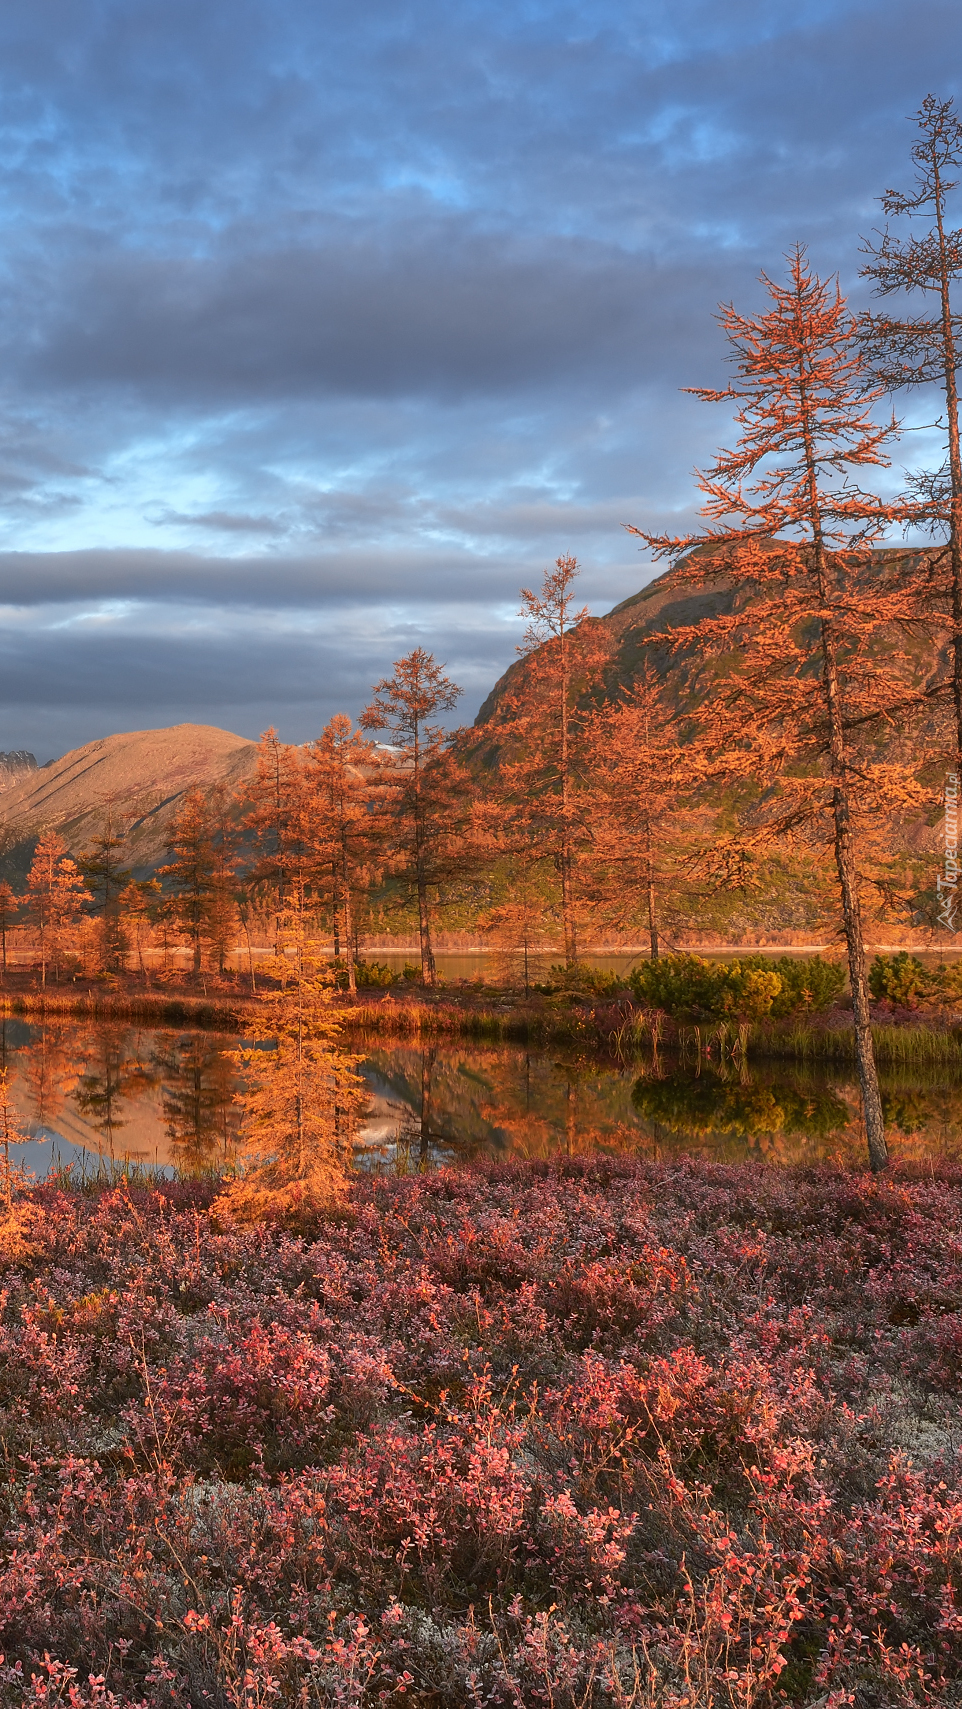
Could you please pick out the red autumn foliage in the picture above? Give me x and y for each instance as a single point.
(601, 1433)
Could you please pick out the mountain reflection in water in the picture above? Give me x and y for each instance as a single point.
(163, 1097)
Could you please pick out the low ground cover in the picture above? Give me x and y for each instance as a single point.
(603, 1433)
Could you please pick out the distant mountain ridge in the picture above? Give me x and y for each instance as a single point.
(138, 777)
(637, 632)
(13, 766)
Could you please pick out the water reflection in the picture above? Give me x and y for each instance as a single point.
(165, 1097)
(452, 1103)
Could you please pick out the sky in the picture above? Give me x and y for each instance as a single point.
(325, 327)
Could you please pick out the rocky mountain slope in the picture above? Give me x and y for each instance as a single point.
(634, 635)
(138, 778)
(14, 765)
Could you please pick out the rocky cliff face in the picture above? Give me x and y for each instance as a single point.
(137, 779)
(14, 765)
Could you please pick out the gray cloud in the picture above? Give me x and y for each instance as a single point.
(323, 328)
(437, 310)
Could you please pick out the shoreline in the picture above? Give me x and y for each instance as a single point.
(605, 1027)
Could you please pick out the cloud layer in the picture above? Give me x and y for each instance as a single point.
(322, 329)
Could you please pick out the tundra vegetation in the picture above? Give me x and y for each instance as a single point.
(599, 1434)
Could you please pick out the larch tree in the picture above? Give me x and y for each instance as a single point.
(137, 905)
(196, 875)
(805, 676)
(429, 793)
(342, 827)
(642, 768)
(8, 908)
(924, 349)
(106, 878)
(302, 1095)
(275, 814)
(56, 895)
(542, 762)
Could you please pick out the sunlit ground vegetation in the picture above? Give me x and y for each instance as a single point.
(599, 1433)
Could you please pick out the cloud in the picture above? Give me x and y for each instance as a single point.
(324, 328)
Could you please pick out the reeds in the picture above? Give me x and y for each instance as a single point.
(897, 1046)
(156, 1008)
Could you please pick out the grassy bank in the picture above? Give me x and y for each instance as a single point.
(895, 1046)
(614, 1027)
(153, 1008)
(620, 1027)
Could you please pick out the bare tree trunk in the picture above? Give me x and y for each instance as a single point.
(567, 907)
(652, 899)
(955, 457)
(429, 970)
(848, 880)
(864, 1049)
(349, 929)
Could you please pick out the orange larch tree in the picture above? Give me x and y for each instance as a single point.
(642, 769)
(543, 763)
(56, 895)
(201, 875)
(343, 827)
(809, 668)
(275, 813)
(430, 792)
(302, 1095)
(8, 906)
(924, 349)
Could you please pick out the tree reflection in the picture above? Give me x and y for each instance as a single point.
(696, 1107)
(201, 1117)
(54, 1062)
(116, 1073)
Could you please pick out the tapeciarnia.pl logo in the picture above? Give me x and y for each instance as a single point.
(947, 882)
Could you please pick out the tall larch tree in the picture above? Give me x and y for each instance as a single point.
(924, 349)
(343, 827)
(191, 889)
(8, 907)
(426, 792)
(543, 772)
(642, 771)
(804, 680)
(302, 1095)
(56, 896)
(106, 877)
(275, 814)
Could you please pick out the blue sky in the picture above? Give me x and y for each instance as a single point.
(324, 327)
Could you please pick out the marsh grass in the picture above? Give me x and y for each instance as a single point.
(84, 1175)
(157, 1009)
(896, 1046)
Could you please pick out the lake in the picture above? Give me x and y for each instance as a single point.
(163, 1098)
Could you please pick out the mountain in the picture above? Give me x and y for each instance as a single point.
(139, 777)
(14, 765)
(634, 631)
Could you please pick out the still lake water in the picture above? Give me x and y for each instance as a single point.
(162, 1097)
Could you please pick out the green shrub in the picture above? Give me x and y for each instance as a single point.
(809, 984)
(581, 977)
(690, 988)
(901, 979)
(413, 973)
(372, 974)
(685, 986)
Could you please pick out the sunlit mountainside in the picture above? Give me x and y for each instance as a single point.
(636, 634)
(139, 778)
